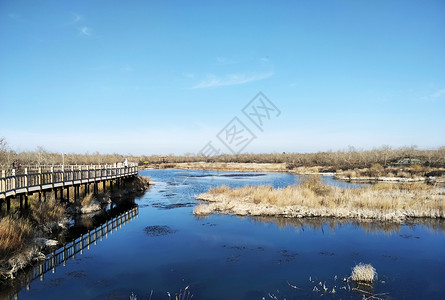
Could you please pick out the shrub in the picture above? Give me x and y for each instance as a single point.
(376, 170)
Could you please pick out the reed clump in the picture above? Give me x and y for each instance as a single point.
(385, 201)
(363, 273)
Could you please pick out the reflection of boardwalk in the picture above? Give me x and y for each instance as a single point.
(69, 250)
(58, 178)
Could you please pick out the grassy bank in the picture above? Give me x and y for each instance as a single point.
(312, 198)
(20, 230)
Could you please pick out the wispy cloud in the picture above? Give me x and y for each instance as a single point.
(232, 79)
(434, 96)
(76, 18)
(86, 31)
(438, 94)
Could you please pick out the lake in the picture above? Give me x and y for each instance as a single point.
(165, 249)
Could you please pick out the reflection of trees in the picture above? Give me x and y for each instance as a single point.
(430, 224)
(369, 226)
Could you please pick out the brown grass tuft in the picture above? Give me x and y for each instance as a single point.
(88, 199)
(46, 212)
(363, 273)
(15, 234)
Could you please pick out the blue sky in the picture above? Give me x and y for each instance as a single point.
(160, 77)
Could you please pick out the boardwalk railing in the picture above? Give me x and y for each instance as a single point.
(13, 183)
(69, 250)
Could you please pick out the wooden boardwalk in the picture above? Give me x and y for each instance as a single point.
(21, 184)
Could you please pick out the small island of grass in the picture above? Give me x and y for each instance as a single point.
(312, 198)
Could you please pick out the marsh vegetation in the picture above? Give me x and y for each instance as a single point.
(313, 198)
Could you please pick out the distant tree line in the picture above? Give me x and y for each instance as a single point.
(41, 156)
(350, 158)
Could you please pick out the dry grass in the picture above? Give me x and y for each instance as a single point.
(314, 198)
(88, 199)
(363, 273)
(413, 172)
(15, 234)
(46, 212)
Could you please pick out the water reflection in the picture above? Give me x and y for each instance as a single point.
(331, 224)
(103, 225)
(369, 226)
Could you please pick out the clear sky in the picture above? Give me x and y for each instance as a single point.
(152, 77)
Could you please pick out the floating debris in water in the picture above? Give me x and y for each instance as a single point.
(157, 230)
(172, 205)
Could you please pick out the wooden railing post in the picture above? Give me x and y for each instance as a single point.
(3, 182)
(39, 178)
(13, 181)
(26, 179)
(52, 175)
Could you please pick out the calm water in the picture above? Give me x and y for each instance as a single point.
(166, 249)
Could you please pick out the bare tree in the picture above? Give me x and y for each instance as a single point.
(41, 154)
(3, 150)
